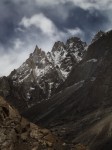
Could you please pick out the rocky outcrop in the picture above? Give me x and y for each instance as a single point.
(16, 133)
(98, 35)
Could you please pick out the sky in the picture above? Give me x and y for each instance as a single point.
(27, 23)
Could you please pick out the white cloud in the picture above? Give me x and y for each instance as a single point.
(88, 4)
(75, 32)
(49, 3)
(84, 4)
(46, 2)
(41, 22)
(14, 56)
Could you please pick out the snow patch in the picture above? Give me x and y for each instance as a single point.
(28, 95)
(93, 79)
(64, 73)
(92, 60)
(21, 80)
(50, 87)
(78, 58)
(31, 88)
(77, 85)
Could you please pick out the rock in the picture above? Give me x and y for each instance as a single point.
(20, 133)
(98, 35)
(49, 144)
(33, 126)
(80, 147)
(24, 123)
(36, 135)
(44, 131)
(18, 128)
(64, 144)
(2, 137)
(49, 138)
(24, 136)
(8, 145)
(12, 135)
(35, 148)
(13, 113)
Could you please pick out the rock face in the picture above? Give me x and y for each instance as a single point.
(81, 110)
(97, 36)
(40, 75)
(16, 133)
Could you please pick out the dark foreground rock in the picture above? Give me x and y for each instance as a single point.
(16, 133)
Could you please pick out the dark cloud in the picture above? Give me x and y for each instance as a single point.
(63, 18)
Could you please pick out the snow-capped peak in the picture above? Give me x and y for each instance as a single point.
(49, 70)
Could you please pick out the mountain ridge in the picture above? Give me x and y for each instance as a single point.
(80, 109)
(44, 72)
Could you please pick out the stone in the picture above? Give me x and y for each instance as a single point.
(35, 134)
(2, 137)
(44, 131)
(35, 148)
(13, 113)
(49, 138)
(49, 144)
(24, 136)
(24, 122)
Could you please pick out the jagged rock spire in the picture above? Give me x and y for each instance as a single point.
(46, 71)
(37, 50)
(99, 34)
(57, 46)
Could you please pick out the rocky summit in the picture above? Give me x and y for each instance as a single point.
(40, 75)
(68, 91)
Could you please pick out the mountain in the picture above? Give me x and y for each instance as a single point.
(40, 75)
(97, 36)
(78, 106)
(81, 110)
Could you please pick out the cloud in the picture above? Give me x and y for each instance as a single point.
(76, 32)
(21, 49)
(103, 5)
(49, 31)
(84, 4)
(47, 2)
(14, 56)
(41, 22)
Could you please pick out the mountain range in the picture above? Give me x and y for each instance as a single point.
(67, 90)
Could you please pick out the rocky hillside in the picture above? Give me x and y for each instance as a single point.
(16, 133)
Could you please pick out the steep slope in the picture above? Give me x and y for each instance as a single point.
(16, 133)
(39, 76)
(84, 100)
(97, 36)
